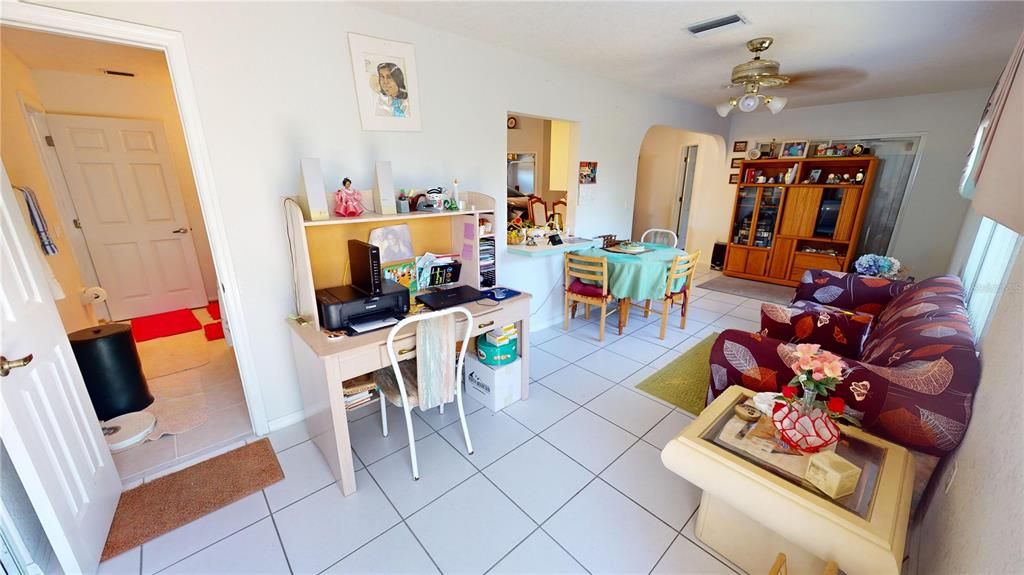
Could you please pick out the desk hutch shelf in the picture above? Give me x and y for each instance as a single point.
(319, 249)
(778, 231)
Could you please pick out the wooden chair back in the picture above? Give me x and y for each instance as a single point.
(538, 210)
(592, 269)
(660, 236)
(780, 567)
(682, 267)
(561, 208)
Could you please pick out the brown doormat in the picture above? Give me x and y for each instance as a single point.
(164, 504)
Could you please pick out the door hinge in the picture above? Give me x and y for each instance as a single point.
(49, 141)
(77, 223)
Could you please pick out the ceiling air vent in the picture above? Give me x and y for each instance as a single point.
(716, 25)
(119, 73)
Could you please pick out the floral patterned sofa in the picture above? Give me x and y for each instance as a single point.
(919, 359)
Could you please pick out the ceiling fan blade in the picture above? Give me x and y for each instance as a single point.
(826, 79)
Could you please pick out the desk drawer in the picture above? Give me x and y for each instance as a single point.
(405, 348)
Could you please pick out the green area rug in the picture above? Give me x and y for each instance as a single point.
(684, 382)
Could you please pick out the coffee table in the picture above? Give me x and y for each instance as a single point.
(756, 504)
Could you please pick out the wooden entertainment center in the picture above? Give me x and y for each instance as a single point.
(778, 230)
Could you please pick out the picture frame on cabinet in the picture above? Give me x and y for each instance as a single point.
(793, 149)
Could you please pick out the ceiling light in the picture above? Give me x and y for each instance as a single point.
(775, 103)
(748, 103)
(753, 76)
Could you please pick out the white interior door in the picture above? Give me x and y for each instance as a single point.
(125, 189)
(47, 422)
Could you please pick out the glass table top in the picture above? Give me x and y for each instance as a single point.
(750, 442)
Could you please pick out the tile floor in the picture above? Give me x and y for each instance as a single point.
(570, 481)
(227, 426)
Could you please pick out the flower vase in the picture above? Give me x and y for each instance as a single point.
(803, 426)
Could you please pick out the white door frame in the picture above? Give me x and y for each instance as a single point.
(172, 44)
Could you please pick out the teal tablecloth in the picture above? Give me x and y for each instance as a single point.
(640, 276)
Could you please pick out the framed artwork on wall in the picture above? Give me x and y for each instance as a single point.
(734, 178)
(739, 146)
(387, 87)
(588, 172)
(735, 163)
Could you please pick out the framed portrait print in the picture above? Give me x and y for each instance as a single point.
(794, 149)
(387, 87)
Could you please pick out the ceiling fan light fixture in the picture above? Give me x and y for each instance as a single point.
(724, 108)
(776, 103)
(748, 103)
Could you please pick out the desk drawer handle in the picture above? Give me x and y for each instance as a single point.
(408, 350)
(483, 325)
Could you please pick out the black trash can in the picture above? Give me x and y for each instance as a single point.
(111, 368)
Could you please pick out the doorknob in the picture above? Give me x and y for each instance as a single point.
(180, 231)
(6, 365)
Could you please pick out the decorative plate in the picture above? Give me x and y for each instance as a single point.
(753, 153)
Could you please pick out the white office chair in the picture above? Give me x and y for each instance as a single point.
(409, 401)
(660, 236)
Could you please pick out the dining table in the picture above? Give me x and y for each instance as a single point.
(640, 276)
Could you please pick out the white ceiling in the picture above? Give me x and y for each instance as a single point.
(44, 51)
(846, 51)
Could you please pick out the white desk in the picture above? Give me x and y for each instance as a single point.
(323, 364)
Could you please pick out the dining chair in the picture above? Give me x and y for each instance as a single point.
(592, 269)
(538, 210)
(683, 267)
(660, 236)
(561, 209)
(404, 390)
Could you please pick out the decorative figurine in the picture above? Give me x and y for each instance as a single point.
(832, 179)
(348, 202)
(846, 178)
(859, 178)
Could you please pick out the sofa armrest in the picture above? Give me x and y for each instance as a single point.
(930, 422)
(848, 291)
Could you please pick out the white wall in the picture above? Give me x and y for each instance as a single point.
(933, 210)
(274, 84)
(138, 98)
(978, 526)
(25, 168)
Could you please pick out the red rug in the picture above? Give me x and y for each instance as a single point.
(164, 324)
(213, 308)
(214, 331)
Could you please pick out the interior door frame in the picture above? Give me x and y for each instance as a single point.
(684, 186)
(172, 44)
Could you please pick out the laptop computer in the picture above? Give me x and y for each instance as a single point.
(450, 297)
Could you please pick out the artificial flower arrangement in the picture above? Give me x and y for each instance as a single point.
(804, 421)
(878, 266)
(516, 231)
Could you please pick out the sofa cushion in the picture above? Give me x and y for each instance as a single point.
(839, 331)
(848, 291)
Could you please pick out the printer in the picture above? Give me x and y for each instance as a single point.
(343, 307)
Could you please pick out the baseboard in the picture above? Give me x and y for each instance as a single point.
(285, 420)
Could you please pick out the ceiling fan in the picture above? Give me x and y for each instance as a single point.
(752, 76)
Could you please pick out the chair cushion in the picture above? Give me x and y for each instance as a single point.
(839, 331)
(589, 290)
(848, 291)
(385, 380)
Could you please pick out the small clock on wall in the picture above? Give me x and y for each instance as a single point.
(512, 122)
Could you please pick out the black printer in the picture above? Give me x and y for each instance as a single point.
(341, 307)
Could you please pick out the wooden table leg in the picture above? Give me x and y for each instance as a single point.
(624, 306)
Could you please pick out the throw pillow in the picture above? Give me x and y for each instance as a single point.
(839, 331)
(848, 291)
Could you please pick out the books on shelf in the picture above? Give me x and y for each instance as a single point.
(359, 391)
